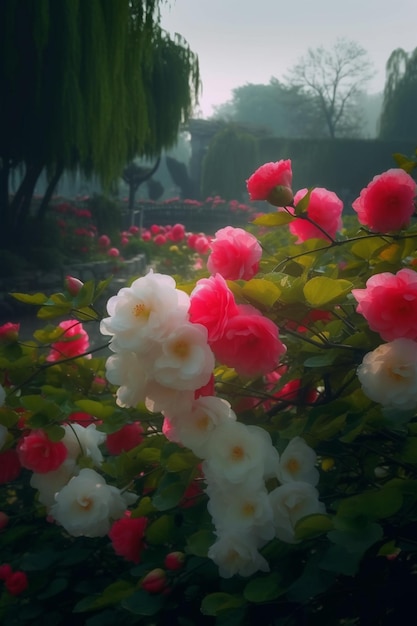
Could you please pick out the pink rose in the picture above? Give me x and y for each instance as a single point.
(128, 537)
(250, 343)
(104, 241)
(9, 332)
(16, 583)
(146, 235)
(387, 203)
(134, 230)
(325, 208)
(177, 233)
(73, 342)
(73, 285)
(160, 240)
(389, 304)
(113, 252)
(39, 454)
(212, 304)
(235, 254)
(202, 244)
(272, 182)
(10, 466)
(128, 437)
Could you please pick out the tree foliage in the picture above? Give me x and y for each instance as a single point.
(85, 85)
(398, 118)
(231, 157)
(334, 78)
(283, 111)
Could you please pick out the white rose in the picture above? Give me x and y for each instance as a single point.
(237, 554)
(50, 483)
(127, 371)
(80, 440)
(291, 502)
(298, 463)
(87, 505)
(144, 312)
(388, 374)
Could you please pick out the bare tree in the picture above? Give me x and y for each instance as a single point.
(335, 78)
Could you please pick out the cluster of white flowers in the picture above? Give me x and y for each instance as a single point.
(237, 461)
(79, 499)
(160, 357)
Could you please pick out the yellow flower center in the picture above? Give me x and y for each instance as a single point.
(181, 349)
(237, 453)
(140, 310)
(248, 509)
(203, 422)
(292, 466)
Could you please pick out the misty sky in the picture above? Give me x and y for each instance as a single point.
(248, 41)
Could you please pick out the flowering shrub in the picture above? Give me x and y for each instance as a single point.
(244, 443)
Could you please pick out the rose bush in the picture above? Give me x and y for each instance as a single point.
(261, 424)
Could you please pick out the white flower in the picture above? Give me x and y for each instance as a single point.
(80, 440)
(298, 463)
(242, 508)
(144, 312)
(87, 506)
(237, 554)
(195, 427)
(2, 395)
(388, 374)
(291, 502)
(50, 483)
(161, 399)
(128, 371)
(236, 451)
(186, 361)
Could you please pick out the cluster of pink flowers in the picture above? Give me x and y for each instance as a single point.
(15, 582)
(72, 342)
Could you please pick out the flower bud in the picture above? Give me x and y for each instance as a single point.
(16, 583)
(73, 285)
(9, 332)
(174, 560)
(5, 571)
(280, 196)
(4, 520)
(155, 581)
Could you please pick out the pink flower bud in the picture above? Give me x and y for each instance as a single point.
(155, 581)
(4, 520)
(174, 560)
(16, 583)
(73, 285)
(9, 332)
(5, 571)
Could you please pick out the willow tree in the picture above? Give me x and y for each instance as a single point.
(85, 85)
(398, 118)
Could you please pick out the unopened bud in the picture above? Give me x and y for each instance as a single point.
(155, 581)
(280, 196)
(73, 285)
(174, 560)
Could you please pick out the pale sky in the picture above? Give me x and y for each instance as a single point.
(248, 41)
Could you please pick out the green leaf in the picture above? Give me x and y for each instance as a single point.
(54, 587)
(111, 595)
(372, 504)
(143, 603)
(322, 291)
(85, 296)
(261, 291)
(99, 410)
(169, 497)
(35, 298)
(144, 507)
(180, 461)
(302, 205)
(160, 530)
(404, 162)
(273, 219)
(312, 526)
(263, 588)
(216, 603)
(200, 542)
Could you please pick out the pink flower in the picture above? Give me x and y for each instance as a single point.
(155, 581)
(387, 203)
(5, 571)
(174, 560)
(39, 454)
(128, 437)
(16, 583)
(104, 241)
(124, 241)
(155, 229)
(113, 252)
(235, 254)
(128, 537)
(250, 343)
(177, 233)
(325, 208)
(134, 230)
(73, 342)
(146, 235)
(389, 304)
(272, 182)
(9, 332)
(202, 244)
(160, 240)
(212, 304)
